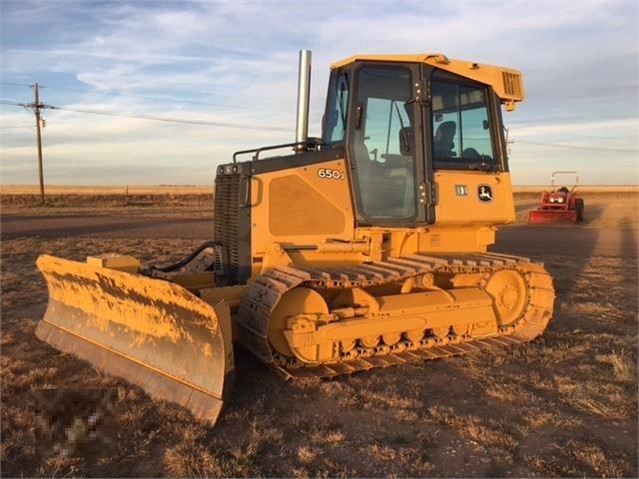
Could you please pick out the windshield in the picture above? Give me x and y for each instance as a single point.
(383, 143)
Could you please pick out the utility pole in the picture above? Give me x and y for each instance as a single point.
(36, 108)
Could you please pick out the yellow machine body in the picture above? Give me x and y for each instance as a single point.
(365, 248)
(297, 207)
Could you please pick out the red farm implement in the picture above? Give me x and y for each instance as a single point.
(559, 205)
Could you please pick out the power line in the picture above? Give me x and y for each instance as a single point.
(171, 100)
(16, 84)
(170, 119)
(154, 118)
(13, 102)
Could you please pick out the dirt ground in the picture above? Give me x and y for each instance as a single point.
(564, 405)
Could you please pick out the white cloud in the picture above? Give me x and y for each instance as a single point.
(236, 62)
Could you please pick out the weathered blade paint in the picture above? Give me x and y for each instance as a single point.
(151, 332)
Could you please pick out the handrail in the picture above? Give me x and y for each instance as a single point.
(309, 144)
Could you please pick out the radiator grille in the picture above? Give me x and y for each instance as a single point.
(226, 218)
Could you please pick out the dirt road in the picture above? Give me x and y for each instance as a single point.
(581, 240)
(15, 226)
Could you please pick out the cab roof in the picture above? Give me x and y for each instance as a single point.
(507, 82)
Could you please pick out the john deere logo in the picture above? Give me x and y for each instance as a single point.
(485, 193)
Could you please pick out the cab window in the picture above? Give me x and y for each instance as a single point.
(461, 133)
(337, 104)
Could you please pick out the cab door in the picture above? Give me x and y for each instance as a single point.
(392, 182)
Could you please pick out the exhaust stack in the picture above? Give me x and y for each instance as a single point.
(303, 97)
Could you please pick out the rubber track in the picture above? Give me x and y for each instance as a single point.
(265, 292)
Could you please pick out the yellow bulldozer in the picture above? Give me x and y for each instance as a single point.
(365, 248)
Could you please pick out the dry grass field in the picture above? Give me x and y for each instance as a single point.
(564, 405)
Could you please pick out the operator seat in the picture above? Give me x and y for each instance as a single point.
(444, 139)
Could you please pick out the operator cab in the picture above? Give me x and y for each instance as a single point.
(402, 121)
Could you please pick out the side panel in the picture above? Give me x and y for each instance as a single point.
(298, 207)
(474, 198)
(301, 206)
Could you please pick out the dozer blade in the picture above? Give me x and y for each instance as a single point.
(151, 332)
(552, 216)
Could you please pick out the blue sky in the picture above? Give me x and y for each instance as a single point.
(233, 65)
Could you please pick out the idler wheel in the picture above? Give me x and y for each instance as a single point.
(510, 295)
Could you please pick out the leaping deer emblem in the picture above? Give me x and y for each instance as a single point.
(485, 193)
